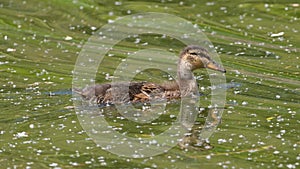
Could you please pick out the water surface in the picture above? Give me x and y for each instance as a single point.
(258, 43)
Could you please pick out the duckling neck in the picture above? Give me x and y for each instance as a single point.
(186, 80)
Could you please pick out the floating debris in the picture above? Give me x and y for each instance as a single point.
(2, 63)
(244, 103)
(69, 107)
(273, 35)
(10, 50)
(53, 165)
(270, 118)
(68, 38)
(31, 126)
(295, 5)
(21, 134)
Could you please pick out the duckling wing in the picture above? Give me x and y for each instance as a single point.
(126, 92)
(147, 91)
(171, 90)
(150, 91)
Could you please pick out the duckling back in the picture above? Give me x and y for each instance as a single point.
(129, 92)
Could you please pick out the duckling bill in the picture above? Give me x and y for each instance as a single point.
(191, 58)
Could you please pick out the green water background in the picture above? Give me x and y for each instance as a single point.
(40, 42)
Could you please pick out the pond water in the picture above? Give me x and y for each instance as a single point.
(257, 42)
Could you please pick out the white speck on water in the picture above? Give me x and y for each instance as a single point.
(244, 103)
(61, 126)
(103, 164)
(118, 3)
(46, 139)
(290, 166)
(152, 142)
(278, 136)
(266, 5)
(68, 38)
(273, 35)
(241, 136)
(210, 3)
(240, 53)
(70, 141)
(208, 157)
(236, 92)
(2, 63)
(21, 134)
(53, 165)
(202, 88)
(282, 131)
(111, 13)
(110, 21)
(10, 50)
(137, 40)
(237, 72)
(220, 141)
(253, 123)
(280, 119)
(91, 60)
(31, 126)
(48, 83)
(74, 163)
(277, 96)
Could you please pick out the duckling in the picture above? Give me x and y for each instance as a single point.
(191, 58)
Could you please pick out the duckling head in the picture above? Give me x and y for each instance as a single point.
(196, 57)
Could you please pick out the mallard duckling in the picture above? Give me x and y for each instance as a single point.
(191, 58)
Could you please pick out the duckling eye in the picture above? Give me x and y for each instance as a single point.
(193, 53)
